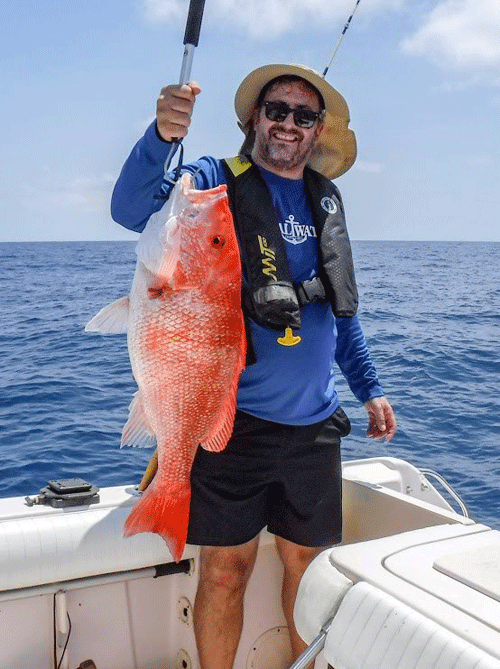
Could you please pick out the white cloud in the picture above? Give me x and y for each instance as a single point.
(88, 194)
(461, 85)
(266, 19)
(460, 35)
(159, 11)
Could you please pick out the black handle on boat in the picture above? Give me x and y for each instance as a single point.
(191, 37)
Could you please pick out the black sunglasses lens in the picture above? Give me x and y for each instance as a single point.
(304, 118)
(278, 111)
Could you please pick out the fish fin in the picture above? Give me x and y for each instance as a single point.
(163, 514)
(222, 429)
(137, 431)
(221, 432)
(112, 319)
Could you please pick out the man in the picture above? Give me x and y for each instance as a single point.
(281, 468)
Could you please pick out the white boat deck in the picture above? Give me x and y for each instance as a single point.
(127, 614)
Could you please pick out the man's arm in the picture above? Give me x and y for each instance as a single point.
(353, 358)
(135, 194)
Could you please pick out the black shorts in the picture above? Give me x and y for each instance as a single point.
(285, 477)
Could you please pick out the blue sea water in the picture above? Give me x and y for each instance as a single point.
(431, 315)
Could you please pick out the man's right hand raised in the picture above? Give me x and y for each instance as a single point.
(174, 108)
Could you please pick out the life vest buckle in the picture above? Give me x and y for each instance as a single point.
(311, 290)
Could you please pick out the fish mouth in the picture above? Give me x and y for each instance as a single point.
(204, 197)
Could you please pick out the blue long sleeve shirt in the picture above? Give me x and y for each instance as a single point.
(293, 385)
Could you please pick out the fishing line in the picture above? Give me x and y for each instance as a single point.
(170, 180)
(339, 41)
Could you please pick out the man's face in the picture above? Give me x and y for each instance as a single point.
(283, 147)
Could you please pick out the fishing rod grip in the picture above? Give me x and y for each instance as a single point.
(193, 24)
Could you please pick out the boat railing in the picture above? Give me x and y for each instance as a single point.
(430, 473)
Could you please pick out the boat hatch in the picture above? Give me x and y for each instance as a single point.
(478, 569)
(463, 570)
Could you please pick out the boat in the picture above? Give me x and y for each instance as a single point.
(414, 584)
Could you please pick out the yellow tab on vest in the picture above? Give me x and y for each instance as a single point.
(238, 165)
(289, 339)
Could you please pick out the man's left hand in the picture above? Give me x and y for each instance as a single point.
(381, 419)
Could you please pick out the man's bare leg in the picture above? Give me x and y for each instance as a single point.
(295, 560)
(218, 608)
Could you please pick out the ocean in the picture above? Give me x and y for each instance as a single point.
(430, 312)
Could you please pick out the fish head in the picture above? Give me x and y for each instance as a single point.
(209, 251)
(191, 242)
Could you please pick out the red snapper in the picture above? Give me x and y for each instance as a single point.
(186, 341)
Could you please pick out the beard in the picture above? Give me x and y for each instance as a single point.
(281, 154)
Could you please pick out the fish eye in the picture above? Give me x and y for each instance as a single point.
(218, 242)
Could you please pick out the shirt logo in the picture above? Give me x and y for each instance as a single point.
(294, 232)
(328, 205)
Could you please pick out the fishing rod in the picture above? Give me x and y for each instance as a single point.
(339, 41)
(191, 37)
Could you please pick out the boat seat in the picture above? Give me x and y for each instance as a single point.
(373, 629)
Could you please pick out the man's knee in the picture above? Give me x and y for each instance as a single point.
(227, 568)
(295, 558)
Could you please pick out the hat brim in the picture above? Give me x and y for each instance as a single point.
(336, 149)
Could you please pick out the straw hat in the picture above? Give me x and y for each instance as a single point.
(335, 151)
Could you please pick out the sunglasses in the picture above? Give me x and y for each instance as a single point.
(275, 110)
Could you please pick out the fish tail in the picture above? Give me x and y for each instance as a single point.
(166, 514)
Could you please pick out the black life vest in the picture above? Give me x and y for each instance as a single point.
(270, 297)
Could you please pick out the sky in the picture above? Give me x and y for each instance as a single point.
(79, 82)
